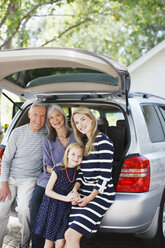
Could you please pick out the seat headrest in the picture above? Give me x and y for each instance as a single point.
(102, 121)
(120, 123)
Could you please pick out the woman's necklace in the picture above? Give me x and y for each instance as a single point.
(71, 181)
(63, 141)
(62, 136)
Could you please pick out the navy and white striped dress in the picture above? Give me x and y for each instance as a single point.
(95, 173)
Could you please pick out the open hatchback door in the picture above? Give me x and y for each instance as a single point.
(36, 72)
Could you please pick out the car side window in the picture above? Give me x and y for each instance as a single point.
(162, 110)
(153, 123)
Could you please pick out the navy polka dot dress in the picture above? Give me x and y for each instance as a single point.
(95, 173)
(52, 219)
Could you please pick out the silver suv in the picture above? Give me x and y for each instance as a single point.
(135, 123)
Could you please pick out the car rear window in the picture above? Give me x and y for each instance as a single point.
(39, 76)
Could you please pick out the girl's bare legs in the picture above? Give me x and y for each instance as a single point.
(60, 243)
(72, 238)
(48, 244)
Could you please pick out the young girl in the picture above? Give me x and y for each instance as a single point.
(52, 219)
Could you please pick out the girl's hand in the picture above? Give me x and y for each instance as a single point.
(76, 198)
(73, 197)
(70, 197)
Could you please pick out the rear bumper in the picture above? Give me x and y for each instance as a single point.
(131, 213)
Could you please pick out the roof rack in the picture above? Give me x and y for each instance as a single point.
(144, 95)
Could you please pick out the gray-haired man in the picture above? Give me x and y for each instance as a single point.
(21, 166)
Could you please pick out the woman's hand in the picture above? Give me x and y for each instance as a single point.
(84, 201)
(49, 169)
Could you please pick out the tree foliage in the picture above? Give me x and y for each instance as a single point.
(122, 29)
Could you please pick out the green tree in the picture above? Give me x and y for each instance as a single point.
(14, 14)
(122, 29)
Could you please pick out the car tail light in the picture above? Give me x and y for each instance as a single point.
(1, 153)
(134, 175)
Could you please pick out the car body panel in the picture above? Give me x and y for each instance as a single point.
(154, 152)
(129, 212)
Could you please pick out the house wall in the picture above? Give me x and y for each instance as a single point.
(150, 76)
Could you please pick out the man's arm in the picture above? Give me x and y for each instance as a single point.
(4, 191)
(5, 167)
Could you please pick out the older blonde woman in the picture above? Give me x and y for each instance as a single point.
(94, 183)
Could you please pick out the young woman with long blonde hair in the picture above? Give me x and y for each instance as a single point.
(94, 183)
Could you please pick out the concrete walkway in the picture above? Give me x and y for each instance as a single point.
(12, 238)
(100, 240)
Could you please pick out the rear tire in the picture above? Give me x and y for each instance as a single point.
(159, 240)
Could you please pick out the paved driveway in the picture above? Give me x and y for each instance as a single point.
(101, 240)
(104, 240)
